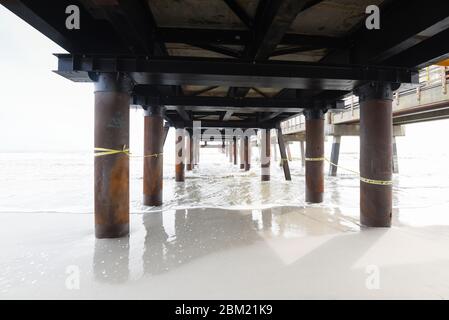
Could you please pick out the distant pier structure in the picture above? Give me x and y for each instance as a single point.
(245, 65)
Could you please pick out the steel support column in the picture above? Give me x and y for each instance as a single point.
(197, 151)
(246, 153)
(376, 133)
(265, 146)
(180, 155)
(335, 155)
(289, 153)
(190, 150)
(303, 155)
(283, 153)
(153, 161)
(242, 152)
(395, 157)
(234, 150)
(314, 155)
(112, 96)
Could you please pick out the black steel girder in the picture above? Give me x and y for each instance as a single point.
(403, 26)
(229, 72)
(240, 37)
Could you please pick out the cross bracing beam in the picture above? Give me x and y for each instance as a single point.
(241, 37)
(228, 124)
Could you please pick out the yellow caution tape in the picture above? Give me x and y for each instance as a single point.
(366, 180)
(315, 159)
(105, 151)
(378, 182)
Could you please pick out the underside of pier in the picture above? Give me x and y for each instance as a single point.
(239, 64)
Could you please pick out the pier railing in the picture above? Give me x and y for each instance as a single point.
(432, 88)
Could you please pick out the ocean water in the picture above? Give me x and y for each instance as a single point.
(51, 182)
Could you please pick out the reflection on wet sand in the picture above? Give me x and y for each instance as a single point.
(198, 233)
(111, 259)
(205, 231)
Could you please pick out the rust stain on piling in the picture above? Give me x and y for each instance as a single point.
(153, 165)
(111, 171)
(179, 161)
(376, 154)
(314, 169)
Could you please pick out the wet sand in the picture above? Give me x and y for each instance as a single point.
(278, 253)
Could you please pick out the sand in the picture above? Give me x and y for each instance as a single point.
(279, 253)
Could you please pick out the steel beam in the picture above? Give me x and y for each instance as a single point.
(230, 124)
(272, 21)
(397, 34)
(240, 37)
(426, 53)
(240, 13)
(228, 72)
(273, 24)
(142, 96)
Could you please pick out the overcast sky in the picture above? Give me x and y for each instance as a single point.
(40, 110)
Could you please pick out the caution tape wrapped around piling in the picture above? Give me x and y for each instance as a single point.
(99, 152)
(363, 179)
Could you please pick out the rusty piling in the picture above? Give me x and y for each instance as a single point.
(153, 162)
(314, 159)
(190, 150)
(265, 145)
(246, 153)
(180, 155)
(376, 153)
(111, 171)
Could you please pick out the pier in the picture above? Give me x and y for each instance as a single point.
(236, 70)
(426, 101)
